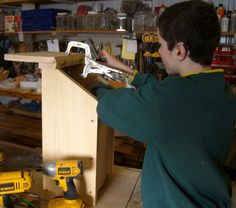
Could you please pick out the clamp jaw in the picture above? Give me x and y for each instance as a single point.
(91, 66)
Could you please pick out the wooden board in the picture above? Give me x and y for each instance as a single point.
(46, 57)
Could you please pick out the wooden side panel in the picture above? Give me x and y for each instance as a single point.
(69, 126)
(105, 154)
(105, 134)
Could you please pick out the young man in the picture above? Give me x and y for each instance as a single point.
(187, 120)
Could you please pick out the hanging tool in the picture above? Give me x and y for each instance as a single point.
(147, 40)
(63, 172)
(12, 183)
(151, 56)
(151, 47)
(155, 47)
(92, 66)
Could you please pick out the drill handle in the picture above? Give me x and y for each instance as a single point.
(71, 192)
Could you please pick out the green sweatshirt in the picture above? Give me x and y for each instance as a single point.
(188, 125)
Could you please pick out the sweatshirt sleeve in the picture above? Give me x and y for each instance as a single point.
(126, 110)
(140, 79)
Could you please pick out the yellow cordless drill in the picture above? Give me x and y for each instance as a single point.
(63, 172)
(12, 183)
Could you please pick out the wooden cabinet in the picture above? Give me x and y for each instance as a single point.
(70, 126)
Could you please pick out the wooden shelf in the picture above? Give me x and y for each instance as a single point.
(20, 2)
(21, 93)
(91, 31)
(228, 33)
(55, 32)
(223, 33)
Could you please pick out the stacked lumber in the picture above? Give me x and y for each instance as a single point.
(20, 126)
(128, 152)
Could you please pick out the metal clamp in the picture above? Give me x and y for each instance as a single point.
(91, 66)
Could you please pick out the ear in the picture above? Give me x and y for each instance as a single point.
(180, 51)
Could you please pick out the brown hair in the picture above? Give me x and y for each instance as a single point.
(194, 23)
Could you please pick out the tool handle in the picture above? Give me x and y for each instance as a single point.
(71, 192)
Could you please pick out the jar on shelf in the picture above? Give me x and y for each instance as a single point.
(150, 20)
(147, 4)
(233, 22)
(98, 7)
(102, 22)
(139, 21)
(121, 22)
(70, 22)
(61, 21)
(79, 22)
(90, 20)
(111, 18)
(224, 22)
(220, 11)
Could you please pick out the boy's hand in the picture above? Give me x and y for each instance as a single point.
(115, 63)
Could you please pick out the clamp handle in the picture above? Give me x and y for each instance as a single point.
(76, 44)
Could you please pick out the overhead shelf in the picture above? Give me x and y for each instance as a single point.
(228, 33)
(55, 32)
(20, 2)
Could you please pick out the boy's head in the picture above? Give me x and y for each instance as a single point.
(194, 23)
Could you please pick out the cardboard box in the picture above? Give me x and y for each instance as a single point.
(12, 23)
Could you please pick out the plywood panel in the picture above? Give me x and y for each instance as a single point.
(69, 123)
(105, 154)
(70, 126)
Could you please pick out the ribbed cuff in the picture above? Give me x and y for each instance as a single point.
(133, 76)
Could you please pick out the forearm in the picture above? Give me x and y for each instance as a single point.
(116, 63)
(125, 68)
